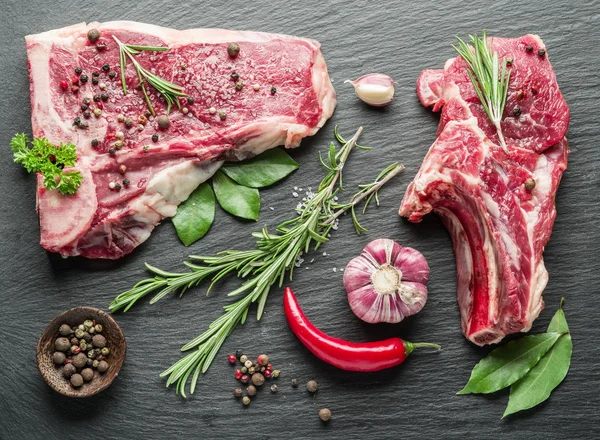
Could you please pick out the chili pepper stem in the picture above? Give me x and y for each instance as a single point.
(410, 346)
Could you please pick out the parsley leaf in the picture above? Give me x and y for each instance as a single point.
(50, 160)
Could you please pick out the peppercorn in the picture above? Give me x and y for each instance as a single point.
(146, 148)
(76, 380)
(83, 78)
(62, 344)
(517, 112)
(231, 359)
(87, 114)
(295, 383)
(222, 114)
(251, 390)
(58, 357)
(74, 89)
(112, 74)
(269, 367)
(64, 330)
(267, 374)
(248, 364)
(542, 52)
(117, 186)
(234, 76)
(105, 67)
(238, 392)
(244, 370)
(74, 341)
(233, 49)
(128, 122)
(84, 107)
(79, 333)
(244, 379)
(104, 97)
(79, 360)
(529, 184)
(75, 349)
(95, 363)
(239, 85)
(529, 48)
(251, 371)
(258, 379)
(100, 47)
(238, 374)
(95, 74)
(143, 120)
(126, 183)
(69, 370)
(246, 400)
(312, 386)
(64, 84)
(212, 110)
(87, 374)
(96, 98)
(155, 137)
(90, 331)
(509, 61)
(325, 414)
(83, 345)
(77, 121)
(243, 359)
(102, 366)
(105, 351)
(97, 112)
(118, 145)
(273, 90)
(122, 169)
(185, 110)
(93, 35)
(83, 125)
(190, 100)
(163, 121)
(78, 70)
(263, 360)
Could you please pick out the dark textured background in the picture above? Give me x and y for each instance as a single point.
(416, 400)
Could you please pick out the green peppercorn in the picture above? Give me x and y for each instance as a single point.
(128, 122)
(69, 370)
(79, 333)
(163, 121)
(58, 357)
(146, 148)
(258, 379)
(233, 49)
(251, 390)
(83, 78)
(222, 114)
(102, 366)
(325, 414)
(243, 358)
(251, 370)
(120, 117)
(275, 373)
(64, 330)
(78, 70)
(105, 67)
(238, 392)
(62, 344)
(76, 380)
(95, 363)
(91, 354)
(118, 145)
(312, 386)
(244, 370)
(83, 345)
(239, 85)
(105, 351)
(87, 374)
(246, 400)
(93, 35)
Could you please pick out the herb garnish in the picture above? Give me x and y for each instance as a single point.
(261, 268)
(50, 160)
(532, 366)
(489, 77)
(169, 91)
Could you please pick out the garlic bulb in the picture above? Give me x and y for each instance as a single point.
(387, 282)
(375, 89)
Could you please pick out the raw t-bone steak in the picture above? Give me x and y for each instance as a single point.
(286, 95)
(498, 206)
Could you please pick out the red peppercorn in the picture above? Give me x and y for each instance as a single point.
(269, 367)
(267, 374)
(245, 378)
(76, 350)
(99, 105)
(238, 374)
(75, 79)
(231, 359)
(64, 84)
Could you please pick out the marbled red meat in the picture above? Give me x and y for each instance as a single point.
(100, 222)
(499, 227)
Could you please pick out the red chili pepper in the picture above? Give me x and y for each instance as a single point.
(351, 356)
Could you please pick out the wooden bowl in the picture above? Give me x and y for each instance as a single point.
(115, 341)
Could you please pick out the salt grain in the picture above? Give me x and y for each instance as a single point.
(295, 194)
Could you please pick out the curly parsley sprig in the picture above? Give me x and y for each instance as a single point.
(50, 160)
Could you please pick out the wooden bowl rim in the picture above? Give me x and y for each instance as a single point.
(57, 321)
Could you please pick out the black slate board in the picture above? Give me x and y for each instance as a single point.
(416, 400)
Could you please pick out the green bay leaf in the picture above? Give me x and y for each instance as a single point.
(505, 365)
(263, 170)
(195, 216)
(549, 372)
(236, 199)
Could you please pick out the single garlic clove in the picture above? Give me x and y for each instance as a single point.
(375, 89)
(387, 282)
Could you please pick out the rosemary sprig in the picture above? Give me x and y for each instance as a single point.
(489, 77)
(274, 258)
(169, 91)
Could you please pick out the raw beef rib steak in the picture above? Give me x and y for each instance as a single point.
(285, 96)
(498, 206)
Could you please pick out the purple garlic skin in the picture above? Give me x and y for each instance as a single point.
(387, 282)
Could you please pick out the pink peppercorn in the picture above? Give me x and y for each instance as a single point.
(238, 374)
(64, 84)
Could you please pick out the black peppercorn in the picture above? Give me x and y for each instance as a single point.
(87, 114)
(83, 125)
(76, 380)
(94, 80)
(87, 373)
(78, 70)
(111, 151)
(517, 112)
(96, 98)
(76, 121)
(95, 73)
(112, 74)
(104, 97)
(251, 390)
(190, 100)
(102, 366)
(234, 76)
(233, 49)
(273, 90)
(529, 184)
(128, 122)
(126, 182)
(94, 143)
(155, 137)
(84, 107)
(295, 383)
(117, 186)
(79, 360)
(529, 48)
(105, 67)
(93, 35)
(541, 52)
(83, 78)
(238, 392)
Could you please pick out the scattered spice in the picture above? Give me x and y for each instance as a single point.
(126, 183)
(212, 110)
(93, 35)
(100, 47)
(128, 122)
(122, 169)
(312, 386)
(233, 49)
(105, 67)
(104, 96)
(185, 110)
(295, 383)
(190, 100)
(231, 358)
(95, 74)
(529, 48)
(517, 112)
(256, 87)
(64, 85)
(274, 388)
(238, 392)
(542, 52)
(87, 114)
(529, 184)
(112, 74)
(97, 112)
(163, 121)
(94, 143)
(83, 78)
(239, 85)
(234, 76)
(325, 414)
(78, 70)
(246, 400)
(251, 390)
(112, 152)
(273, 90)
(222, 114)
(155, 137)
